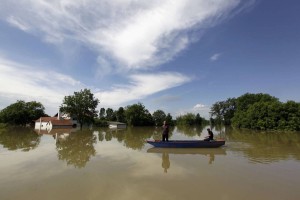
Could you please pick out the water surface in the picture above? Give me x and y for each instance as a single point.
(118, 164)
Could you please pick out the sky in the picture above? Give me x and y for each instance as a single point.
(179, 56)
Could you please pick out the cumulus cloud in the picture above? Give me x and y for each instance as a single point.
(199, 106)
(17, 82)
(215, 57)
(134, 34)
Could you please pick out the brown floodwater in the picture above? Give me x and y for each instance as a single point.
(117, 164)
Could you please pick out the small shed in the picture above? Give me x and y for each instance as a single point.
(117, 125)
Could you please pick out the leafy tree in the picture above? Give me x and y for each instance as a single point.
(110, 115)
(22, 113)
(190, 119)
(243, 103)
(198, 119)
(102, 113)
(170, 120)
(223, 111)
(82, 105)
(120, 115)
(159, 117)
(138, 115)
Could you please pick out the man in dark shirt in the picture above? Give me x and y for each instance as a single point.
(210, 135)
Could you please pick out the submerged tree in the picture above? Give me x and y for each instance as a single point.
(22, 113)
(81, 105)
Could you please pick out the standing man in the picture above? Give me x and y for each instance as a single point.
(165, 133)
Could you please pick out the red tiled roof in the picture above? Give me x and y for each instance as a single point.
(62, 122)
(46, 119)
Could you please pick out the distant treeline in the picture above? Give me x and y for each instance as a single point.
(138, 115)
(25, 113)
(257, 111)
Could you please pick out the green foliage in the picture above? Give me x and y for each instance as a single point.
(102, 113)
(81, 105)
(120, 115)
(22, 113)
(190, 119)
(138, 115)
(258, 111)
(110, 115)
(159, 117)
(100, 122)
(223, 111)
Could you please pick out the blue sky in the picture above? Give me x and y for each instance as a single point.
(179, 56)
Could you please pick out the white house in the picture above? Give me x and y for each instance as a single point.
(58, 121)
(117, 125)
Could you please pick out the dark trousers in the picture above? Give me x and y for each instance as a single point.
(165, 137)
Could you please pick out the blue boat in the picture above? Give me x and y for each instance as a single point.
(187, 143)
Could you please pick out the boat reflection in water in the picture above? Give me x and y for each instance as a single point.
(211, 153)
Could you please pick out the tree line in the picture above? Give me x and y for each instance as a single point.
(83, 105)
(257, 111)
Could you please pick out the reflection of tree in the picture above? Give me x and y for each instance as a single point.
(265, 147)
(135, 137)
(77, 149)
(165, 162)
(190, 130)
(132, 137)
(19, 138)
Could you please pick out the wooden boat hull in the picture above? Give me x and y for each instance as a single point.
(187, 144)
(193, 151)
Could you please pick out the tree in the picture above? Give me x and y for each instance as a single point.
(110, 115)
(223, 111)
(102, 113)
(120, 115)
(245, 109)
(138, 115)
(22, 113)
(159, 117)
(81, 105)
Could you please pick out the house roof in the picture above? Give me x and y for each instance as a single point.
(62, 122)
(46, 119)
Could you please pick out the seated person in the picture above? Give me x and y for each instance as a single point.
(210, 135)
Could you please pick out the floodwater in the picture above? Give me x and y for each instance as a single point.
(118, 165)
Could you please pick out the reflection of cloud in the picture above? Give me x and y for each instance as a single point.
(136, 34)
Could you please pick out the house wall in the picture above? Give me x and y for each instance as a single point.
(40, 125)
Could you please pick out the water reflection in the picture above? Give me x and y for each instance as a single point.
(264, 147)
(207, 152)
(14, 138)
(165, 162)
(77, 148)
(190, 130)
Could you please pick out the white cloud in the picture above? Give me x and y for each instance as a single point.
(202, 109)
(215, 57)
(199, 106)
(135, 34)
(141, 85)
(20, 82)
